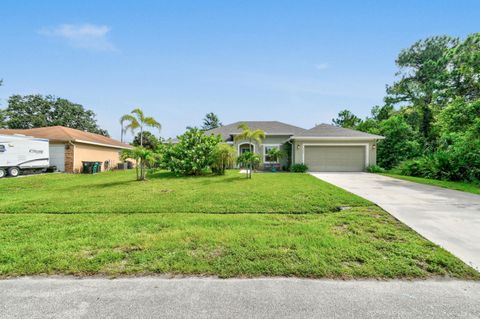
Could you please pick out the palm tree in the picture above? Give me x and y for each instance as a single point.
(124, 129)
(247, 134)
(137, 120)
(275, 155)
(142, 157)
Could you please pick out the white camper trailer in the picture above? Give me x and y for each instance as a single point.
(22, 153)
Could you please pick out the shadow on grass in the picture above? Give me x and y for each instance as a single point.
(205, 179)
(163, 175)
(78, 188)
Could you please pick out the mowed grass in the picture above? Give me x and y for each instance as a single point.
(459, 186)
(119, 192)
(273, 225)
(356, 243)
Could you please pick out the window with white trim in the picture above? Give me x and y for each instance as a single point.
(266, 149)
(2, 148)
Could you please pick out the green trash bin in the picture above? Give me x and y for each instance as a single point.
(87, 167)
(97, 167)
(91, 167)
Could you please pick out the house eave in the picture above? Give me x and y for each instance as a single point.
(337, 138)
(101, 144)
(266, 133)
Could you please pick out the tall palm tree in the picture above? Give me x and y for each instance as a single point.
(247, 134)
(137, 120)
(124, 130)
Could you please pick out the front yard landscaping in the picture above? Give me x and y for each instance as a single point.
(272, 225)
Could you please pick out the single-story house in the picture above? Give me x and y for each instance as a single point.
(70, 147)
(322, 148)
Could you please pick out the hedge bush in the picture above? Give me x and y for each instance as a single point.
(299, 168)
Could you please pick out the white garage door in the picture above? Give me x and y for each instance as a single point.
(335, 158)
(57, 156)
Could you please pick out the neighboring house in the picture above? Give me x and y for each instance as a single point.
(322, 148)
(70, 147)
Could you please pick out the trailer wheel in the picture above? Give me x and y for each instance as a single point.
(2, 173)
(13, 171)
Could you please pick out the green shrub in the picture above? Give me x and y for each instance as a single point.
(193, 154)
(414, 167)
(223, 157)
(299, 168)
(375, 169)
(458, 162)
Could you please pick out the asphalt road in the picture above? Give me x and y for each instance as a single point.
(449, 218)
(154, 297)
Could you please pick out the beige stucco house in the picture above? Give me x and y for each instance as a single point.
(322, 148)
(70, 147)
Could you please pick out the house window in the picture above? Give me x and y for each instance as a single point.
(266, 149)
(2, 148)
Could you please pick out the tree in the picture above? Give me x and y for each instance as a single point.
(150, 141)
(464, 69)
(400, 142)
(223, 157)
(423, 70)
(192, 155)
(143, 157)
(3, 119)
(30, 111)
(211, 121)
(123, 129)
(380, 113)
(250, 161)
(250, 136)
(137, 120)
(346, 119)
(458, 117)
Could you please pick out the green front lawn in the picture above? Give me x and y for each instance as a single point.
(459, 186)
(173, 226)
(357, 243)
(119, 192)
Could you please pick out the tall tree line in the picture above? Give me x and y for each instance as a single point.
(31, 111)
(431, 113)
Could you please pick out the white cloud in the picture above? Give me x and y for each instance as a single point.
(83, 36)
(321, 66)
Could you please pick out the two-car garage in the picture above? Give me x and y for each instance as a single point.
(330, 148)
(336, 158)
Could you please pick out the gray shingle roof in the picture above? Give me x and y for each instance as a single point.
(327, 130)
(269, 127)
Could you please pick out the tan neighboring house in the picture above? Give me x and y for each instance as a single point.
(70, 147)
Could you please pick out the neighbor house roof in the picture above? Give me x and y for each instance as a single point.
(66, 134)
(332, 131)
(269, 127)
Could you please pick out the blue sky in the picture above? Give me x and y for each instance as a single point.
(294, 61)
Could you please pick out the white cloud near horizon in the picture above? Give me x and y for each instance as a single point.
(82, 36)
(321, 66)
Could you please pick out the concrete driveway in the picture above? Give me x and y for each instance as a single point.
(449, 218)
